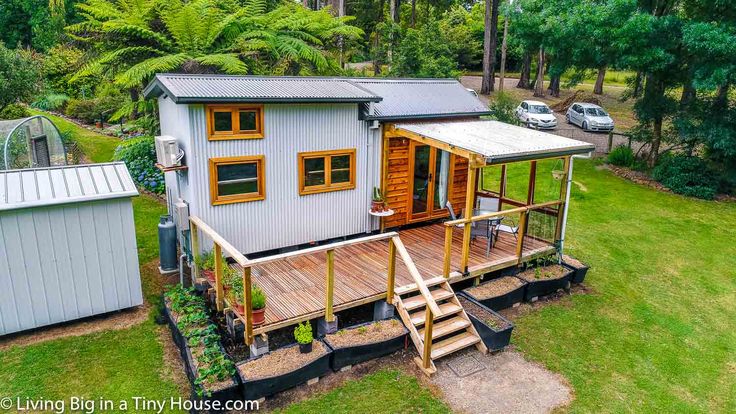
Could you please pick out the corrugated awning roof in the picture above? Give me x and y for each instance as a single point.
(63, 185)
(422, 98)
(183, 88)
(497, 142)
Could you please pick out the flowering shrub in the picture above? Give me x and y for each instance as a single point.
(139, 155)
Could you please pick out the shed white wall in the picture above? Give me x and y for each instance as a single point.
(284, 218)
(65, 262)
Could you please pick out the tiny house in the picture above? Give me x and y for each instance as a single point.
(278, 174)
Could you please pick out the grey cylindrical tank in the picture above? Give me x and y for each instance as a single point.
(167, 243)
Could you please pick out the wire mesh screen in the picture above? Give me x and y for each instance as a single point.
(541, 226)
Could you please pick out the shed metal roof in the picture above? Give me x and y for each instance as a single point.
(63, 185)
(187, 88)
(422, 98)
(496, 141)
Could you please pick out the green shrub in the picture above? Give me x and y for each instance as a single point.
(139, 155)
(257, 297)
(51, 102)
(303, 333)
(623, 156)
(91, 110)
(687, 175)
(14, 111)
(503, 109)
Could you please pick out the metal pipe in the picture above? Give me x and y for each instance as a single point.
(181, 269)
(567, 201)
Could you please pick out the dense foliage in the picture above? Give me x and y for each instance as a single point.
(687, 175)
(14, 111)
(623, 156)
(139, 155)
(503, 109)
(20, 76)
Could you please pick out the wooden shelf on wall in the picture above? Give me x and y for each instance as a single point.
(167, 169)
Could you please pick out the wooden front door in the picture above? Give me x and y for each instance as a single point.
(430, 172)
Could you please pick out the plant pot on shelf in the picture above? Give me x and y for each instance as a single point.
(239, 308)
(377, 206)
(209, 275)
(305, 348)
(259, 316)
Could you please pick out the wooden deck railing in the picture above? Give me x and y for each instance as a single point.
(523, 213)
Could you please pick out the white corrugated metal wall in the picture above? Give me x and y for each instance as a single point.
(64, 262)
(285, 218)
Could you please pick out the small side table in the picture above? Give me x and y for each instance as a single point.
(379, 214)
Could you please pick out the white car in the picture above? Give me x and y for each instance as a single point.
(589, 116)
(535, 114)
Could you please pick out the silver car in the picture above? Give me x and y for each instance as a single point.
(589, 116)
(535, 114)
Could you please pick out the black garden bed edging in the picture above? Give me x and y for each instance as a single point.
(578, 273)
(351, 355)
(264, 387)
(493, 339)
(543, 287)
(504, 301)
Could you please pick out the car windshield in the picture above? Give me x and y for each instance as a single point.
(539, 109)
(595, 112)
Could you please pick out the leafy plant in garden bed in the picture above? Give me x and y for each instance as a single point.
(366, 341)
(210, 370)
(303, 336)
(139, 155)
(543, 277)
(494, 329)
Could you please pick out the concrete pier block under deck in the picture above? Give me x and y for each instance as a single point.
(382, 310)
(324, 327)
(259, 346)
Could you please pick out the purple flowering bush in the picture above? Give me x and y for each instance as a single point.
(139, 155)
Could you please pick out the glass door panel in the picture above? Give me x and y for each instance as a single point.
(422, 175)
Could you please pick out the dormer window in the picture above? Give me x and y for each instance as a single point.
(234, 122)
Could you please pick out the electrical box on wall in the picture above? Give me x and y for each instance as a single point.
(168, 153)
(181, 212)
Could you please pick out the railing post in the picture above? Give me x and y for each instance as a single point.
(219, 292)
(448, 251)
(329, 315)
(427, 354)
(522, 232)
(391, 271)
(194, 234)
(247, 306)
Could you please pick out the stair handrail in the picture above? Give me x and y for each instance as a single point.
(414, 272)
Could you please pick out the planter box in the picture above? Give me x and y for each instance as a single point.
(578, 274)
(351, 355)
(263, 387)
(493, 339)
(543, 287)
(504, 301)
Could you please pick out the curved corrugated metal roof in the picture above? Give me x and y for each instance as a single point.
(63, 185)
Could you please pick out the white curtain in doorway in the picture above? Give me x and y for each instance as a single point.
(443, 177)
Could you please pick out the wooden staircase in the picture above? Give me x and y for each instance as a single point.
(449, 332)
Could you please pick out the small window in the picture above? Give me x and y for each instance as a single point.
(324, 171)
(237, 179)
(234, 122)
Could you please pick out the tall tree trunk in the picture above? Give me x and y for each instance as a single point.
(413, 13)
(396, 11)
(539, 82)
(134, 97)
(638, 85)
(486, 82)
(494, 41)
(688, 92)
(721, 100)
(653, 92)
(502, 78)
(598, 88)
(377, 41)
(554, 86)
(526, 71)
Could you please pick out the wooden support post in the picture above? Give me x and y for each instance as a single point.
(610, 141)
(427, 352)
(248, 306)
(532, 183)
(329, 315)
(502, 189)
(448, 251)
(219, 291)
(391, 272)
(194, 234)
(522, 232)
(469, 201)
(563, 197)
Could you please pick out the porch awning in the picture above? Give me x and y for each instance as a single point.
(496, 142)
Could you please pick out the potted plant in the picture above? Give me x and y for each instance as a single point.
(235, 292)
(258, 305)
(377, 204)
(205, 262)
(303, 335)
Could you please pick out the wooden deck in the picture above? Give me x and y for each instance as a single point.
(296, 286)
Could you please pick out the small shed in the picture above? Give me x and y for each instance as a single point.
(67, 244)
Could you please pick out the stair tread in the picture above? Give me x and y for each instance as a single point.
(447, 327)
(403, 290)
(453, 344)
(448, 308)
(418, 301)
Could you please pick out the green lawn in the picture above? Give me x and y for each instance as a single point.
(97, 147)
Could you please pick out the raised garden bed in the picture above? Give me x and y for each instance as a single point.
(499, 293)
(494, 329)
(545, 280)
(580, 269)
(282, 369)
(366, 341)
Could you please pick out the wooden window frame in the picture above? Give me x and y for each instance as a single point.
(235, 133)
(327, 186)
(216, 199)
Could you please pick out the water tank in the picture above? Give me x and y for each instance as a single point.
(167, 244)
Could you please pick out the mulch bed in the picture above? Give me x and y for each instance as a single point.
(375, 332)
(544, 273)
(495, 288)
(280, 361)
(572, 261)
(489, 318)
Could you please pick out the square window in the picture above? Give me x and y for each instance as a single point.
(223, 121)
(236, 179)
(323, 171)
(314, 171)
